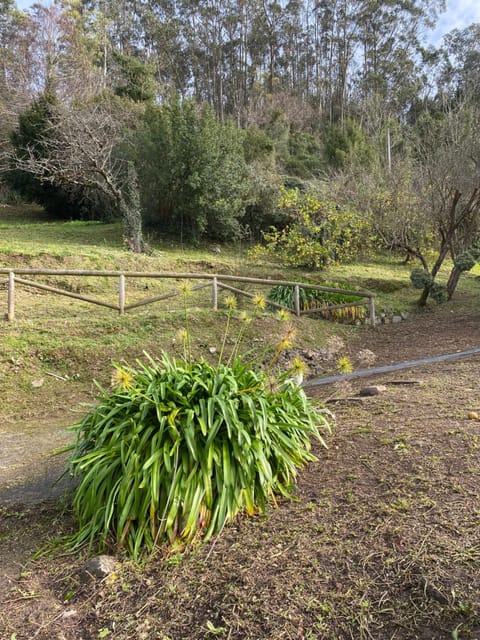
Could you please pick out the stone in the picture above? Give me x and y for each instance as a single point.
(404, 315)
(372, 390)
(70, 613)
(396, 319)
(101, 566)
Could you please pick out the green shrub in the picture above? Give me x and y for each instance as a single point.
(465, 261)
(192, 172)
(421, 278)
(319, 232)
(316, 299)
(178, 449)
(438, 292)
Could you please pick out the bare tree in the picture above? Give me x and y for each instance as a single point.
(81, 147)
(428, 205)
(448, 181)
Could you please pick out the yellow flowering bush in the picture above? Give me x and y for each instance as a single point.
(320, 232)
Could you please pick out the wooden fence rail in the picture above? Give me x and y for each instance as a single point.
(215, 281)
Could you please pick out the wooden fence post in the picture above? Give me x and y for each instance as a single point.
(371, 304)
(296, 299)
(11, 296)
(121, 294)
(215, 294)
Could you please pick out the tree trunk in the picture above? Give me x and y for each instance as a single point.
(422, 301)
(132, 220)
(130, 209)
(453, 281)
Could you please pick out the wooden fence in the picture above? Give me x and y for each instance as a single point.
(215, 282)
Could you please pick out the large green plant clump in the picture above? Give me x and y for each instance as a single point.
(177, 449)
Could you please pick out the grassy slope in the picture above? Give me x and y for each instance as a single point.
(74, 340)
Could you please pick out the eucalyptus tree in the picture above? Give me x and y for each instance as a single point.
(26, 43)
(390, 37)
(18, 68)
(165, 45)
(116, 22)
(14, 89)
(333, 51)
(206, 40)
(460, 67)
(6, 37)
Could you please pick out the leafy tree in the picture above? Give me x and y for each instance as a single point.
(460, 66)
(14, 76)
(447, 177)
(463, 262)
(345, 143)
(258, 145)
(192, 171)
(305, 155)
(135, 79)
(391, 201)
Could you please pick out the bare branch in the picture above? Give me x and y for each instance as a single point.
(80, 146)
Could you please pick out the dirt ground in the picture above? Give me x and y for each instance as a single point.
(381, 540)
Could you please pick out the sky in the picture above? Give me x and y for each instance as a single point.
(459, 14)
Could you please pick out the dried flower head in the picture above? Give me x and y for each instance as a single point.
(272, 385)
(297, 370)
(122, 378)
(344, 365)
(259, 301)
(283, 315)
(245, 318)
(185, 287)
(287, 340)
(182, 335)
(231, 302)
(298, 366)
